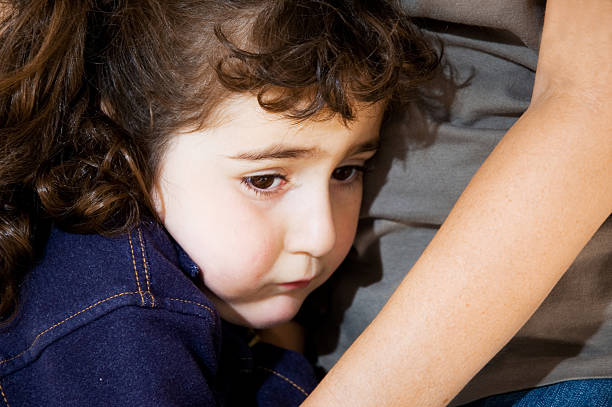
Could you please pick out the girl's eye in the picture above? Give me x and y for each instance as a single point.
(264, 184)
(347, 173)
(263, 181)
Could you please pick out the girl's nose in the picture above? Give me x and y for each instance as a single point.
(312, 230)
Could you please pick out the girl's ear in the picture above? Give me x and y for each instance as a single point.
(158, 201)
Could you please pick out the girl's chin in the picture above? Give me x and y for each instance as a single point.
(262, 315)
(266, 321)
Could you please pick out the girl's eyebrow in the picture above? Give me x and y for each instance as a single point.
(276, 152)
(366, 147)
(279, 151)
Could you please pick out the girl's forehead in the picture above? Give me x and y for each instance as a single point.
(245, 111)
(248, 133)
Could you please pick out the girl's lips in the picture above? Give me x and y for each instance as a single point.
(294, 285)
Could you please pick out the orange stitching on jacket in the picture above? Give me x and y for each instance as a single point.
(4, 397)
(64, 320)
(284, 378)
(135, 269)
(206, 307)
(146, 269)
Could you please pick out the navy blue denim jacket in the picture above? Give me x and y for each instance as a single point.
(118, 322)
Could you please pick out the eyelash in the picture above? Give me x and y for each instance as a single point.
(248, 181)
(359, 170)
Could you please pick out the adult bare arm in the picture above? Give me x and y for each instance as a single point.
(524, 217)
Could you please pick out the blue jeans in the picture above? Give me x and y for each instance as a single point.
(573, 393)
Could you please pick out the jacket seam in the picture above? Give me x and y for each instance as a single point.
(285, 378)
(206, 307)
(42, 333)
(135, 269)
(4, 396)
(37, 338)
(146, 268)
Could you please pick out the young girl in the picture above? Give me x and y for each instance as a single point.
(174, 173)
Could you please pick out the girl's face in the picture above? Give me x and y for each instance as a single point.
(267, 208)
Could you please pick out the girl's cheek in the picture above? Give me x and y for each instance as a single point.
(350, 217)
(347, 209)
(254, 239)
(259, 250)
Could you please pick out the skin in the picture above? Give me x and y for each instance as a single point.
(522, 220)
(267, 208)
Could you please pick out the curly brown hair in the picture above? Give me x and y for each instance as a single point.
(91, 90)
